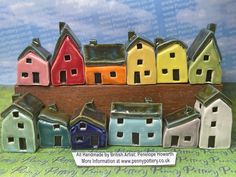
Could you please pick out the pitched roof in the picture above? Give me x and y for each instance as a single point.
(209, 94)
(104, 54)
(181, 116)
(65, 31)
(36, 48)
(201, 41)
(54, 116)
(90, 114)
(136, 39)
(28, 104)
(168, 42)
(134, 110)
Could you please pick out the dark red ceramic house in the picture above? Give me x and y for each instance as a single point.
(67, 62)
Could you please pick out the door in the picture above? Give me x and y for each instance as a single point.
(35, 77)
(22, 143)
(94, 141)
(57, 141)
(174, 140)
(136, 77)
(175, 74)
(63, 76)
(98, 78)
(135, 138)
(209, 76)
(211, 141)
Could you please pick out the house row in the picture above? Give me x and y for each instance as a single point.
(138, 62)
(28, 124)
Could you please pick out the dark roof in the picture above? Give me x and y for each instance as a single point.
(136, 109)
(36, 48)
(104, 54)
(90, 114)
(181, 116)
(65, 31)
(168, 42)
(54, 116)
(28, 104)
(136, 39)
(201, 41)
(209, 94)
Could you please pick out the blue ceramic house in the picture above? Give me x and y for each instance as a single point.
(135, 124)
(88, 129)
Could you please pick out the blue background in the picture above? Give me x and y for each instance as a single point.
(109, 21)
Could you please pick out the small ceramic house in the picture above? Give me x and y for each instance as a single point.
(105, 63)
(216, 118)
(171, 62)
(19, 132)
(33, 65)
(53, 128)
(67, 61)
(88, 129)
(135, 124)
(182, 128)
(141, 63)
(205, 58)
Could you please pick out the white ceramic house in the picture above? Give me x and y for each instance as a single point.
(216, 118)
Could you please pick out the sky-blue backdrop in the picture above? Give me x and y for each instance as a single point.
(109, 21)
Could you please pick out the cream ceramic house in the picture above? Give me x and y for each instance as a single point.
(216, 118)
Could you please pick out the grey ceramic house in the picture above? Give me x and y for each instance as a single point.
(216, 118)
(135, 124)
(53, 127)
(182, 128)
(19, 132)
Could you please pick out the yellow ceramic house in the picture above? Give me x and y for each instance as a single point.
(141, 64)
(172, 64)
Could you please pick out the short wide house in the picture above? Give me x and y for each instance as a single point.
(19, 132)
(182, 128)
(216, 118)
(135, 124)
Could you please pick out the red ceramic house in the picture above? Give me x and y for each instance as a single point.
(67, 61)
(33, 65)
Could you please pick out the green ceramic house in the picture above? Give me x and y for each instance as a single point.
(19, 132)
(53, 127)
(205, 58)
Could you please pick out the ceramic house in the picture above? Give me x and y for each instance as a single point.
(53, 127)
(171, 62)
(141, 64)
(67, 61)
(135, 124)
(105, 63)
(182, 128)
(33, 65)
(88, 129)
(205, 58)
(216, 118)
(19, 132)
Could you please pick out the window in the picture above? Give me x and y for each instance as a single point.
(20, 125)
(10, 140)
(172, 55)
(80, 139)
(67, 57)
(113, 74)
(147, 73)
(199, 72)
(200, 105)
(139, 62)
(164, 71)
(82, 126)
(73, 71)
(120, 120)
(187, 138)
(15, 114)
(28, 60)
(24, 74)
(139, 46)
(119, 134)
(175, 74)
(215, 109)
(206, 57)
(56, 126)
(213, 124)
(149, 121)
(150, 135)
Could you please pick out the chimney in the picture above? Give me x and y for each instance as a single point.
(158, 41)
(93, 42)
(53, 107)
(131, 34)
(212, 27)
(61, 26)
(15, 97)
(36, 42)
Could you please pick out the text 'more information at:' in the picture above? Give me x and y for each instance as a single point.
(124, 158)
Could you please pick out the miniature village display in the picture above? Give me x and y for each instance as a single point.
(135, 65)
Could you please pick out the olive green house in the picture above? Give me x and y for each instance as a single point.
(205, 58)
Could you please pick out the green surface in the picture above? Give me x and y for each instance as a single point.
(59, 162)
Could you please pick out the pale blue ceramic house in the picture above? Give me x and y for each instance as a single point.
(135, 124)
